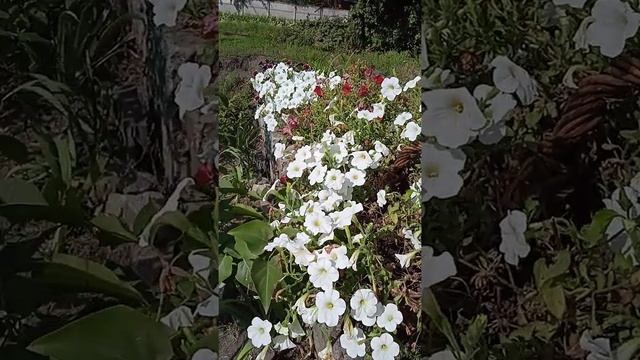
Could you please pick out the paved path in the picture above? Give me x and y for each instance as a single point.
(281, 10)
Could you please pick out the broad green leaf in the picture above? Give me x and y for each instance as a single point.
(112, 227)
(561, 265)
(594, 232)
(64, 159)
(144, 216)
(266, 275)
(244, 210)
(84, 275)
(628, 350)
(474, 333)
(115, 333)
(553, 297)
(13, 149)
(19, 192)
(243, 274)
(225, 269)
(432, 309)
(254, 234)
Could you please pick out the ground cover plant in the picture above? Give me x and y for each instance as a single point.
(530, 221)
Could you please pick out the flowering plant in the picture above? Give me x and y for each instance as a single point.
(341, 254)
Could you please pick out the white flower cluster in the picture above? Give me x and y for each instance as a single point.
(282, 87)
(325, 175)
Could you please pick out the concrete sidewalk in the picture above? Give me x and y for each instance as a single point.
(280, 10)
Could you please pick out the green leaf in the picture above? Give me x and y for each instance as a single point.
(628, 350)
(64, 159)
(19, 192)
(243, 274)
(432, 309)
(251, 238)
(13, 149)
(553, 297)
(266, 275)
(225, 269)
(561, 265)
(116, 333)
(79, 274)
(474, 333)
(113, 228)
(144, 216)
(594, 232)
(244, 210)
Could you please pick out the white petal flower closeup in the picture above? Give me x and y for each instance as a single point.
(436, 268)
(165, 12)
(334, 179)
(619, 238)
(405, 259)
(411, 83)
(295, 169)
(598, 348)
(283, 342)
(411, 131)
(259, 332)
(330, 307)
(452, 116)
(201, 264)
(511, 78)
(381, 198)
(498, 108)
(209, 307)
(514, 245)
(178, 318)
(390, 319)
(353, 343)
(440, 172)
(613, 23)
(337, 256)
(318, 223)
(278, 151)
(381, 148)
(356, 177)
(363, 304)
(384, 348)
(402, 118)
(317, 175)
(323, 274)
(194, 79)
(361, 160)
(391, 88)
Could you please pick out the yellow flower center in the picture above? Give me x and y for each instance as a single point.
(457, 106)
(431, 170)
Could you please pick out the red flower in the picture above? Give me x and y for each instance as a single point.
(318, 91)
(378, 79)
(283, 179)
(346, 88)
(210, 26)
(363, 90)
(368, 72)
(204, 175)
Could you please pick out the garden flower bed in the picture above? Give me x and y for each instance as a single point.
(340, 256)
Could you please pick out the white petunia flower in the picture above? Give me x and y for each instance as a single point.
(619, 238)
(282, 342)
(499, 106)
(271, 122)
(573, 3)
(194, 79)
(330, 307)
(209, 307)
(165, 12)
(402, 118)
(201, 264)
(363, 304)
(411, 83)
(391, 88)
(390, 318)
(353, 343)
(452, 116)
(318, 223)
(443, 355)
(178, 318)
(613, 23)
(361, 160)
(405, 259)
(295, 169)
(381, 148)
(378, 110)
(436, 268)
(440, 172)
(259, 332)
(204, 354)
(278, 151)
(337, 256)
(323, 274)
(280, 241)
(510, 78)
(598, 349)
(411, 131)
(381, 198)
(384, 348)
(317, 175)
(356, 177)
(514, 245)
(409, 235)
(334, 179)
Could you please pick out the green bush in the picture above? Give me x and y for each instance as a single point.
(383, 25)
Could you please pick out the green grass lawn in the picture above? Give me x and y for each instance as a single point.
(244, 35)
